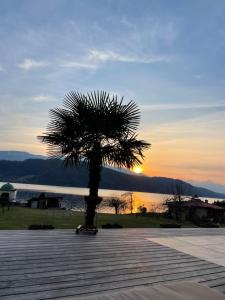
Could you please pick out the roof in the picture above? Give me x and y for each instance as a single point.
(198, 203)
(7, 187)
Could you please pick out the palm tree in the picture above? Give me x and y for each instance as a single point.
(95, 129)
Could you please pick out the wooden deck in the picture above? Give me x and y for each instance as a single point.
(61, 265)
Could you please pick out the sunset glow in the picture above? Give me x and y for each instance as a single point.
(160, 55)
(137, 169)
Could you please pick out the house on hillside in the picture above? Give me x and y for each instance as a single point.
(45, 202)
(195, 210)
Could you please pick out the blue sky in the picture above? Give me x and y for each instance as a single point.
(168, 56)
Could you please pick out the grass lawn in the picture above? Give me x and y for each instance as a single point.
(21, 218)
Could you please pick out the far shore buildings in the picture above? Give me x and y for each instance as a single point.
(45, 202)
(8, 192)
(195, 210)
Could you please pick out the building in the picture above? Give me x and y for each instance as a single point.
(8, 192)
(45, 202)
(195, 210)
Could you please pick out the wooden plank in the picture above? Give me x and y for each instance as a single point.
(102, 267)
(97, 274)
(73, 261)
(111, 249)
(216, 282)
(220, 288)
(101, 278)
(83, 290)
(91, 256)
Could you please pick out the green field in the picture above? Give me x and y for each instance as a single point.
(21, 218)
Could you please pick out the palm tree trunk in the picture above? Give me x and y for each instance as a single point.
(91, 204)
(94, 178)
(93, 200)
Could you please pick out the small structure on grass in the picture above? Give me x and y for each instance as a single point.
(45, 202)
(8, 191)
(195, 210)
(7, 195)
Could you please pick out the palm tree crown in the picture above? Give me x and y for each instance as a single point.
(92, 122)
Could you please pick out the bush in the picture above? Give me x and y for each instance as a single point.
(206, 222)
(40, 227)
(142, 210)
(112, 226)
(209, 225)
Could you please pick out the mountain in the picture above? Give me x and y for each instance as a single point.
(53, 172)
(18, 155)
(219, 188)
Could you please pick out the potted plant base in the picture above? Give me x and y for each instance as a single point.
(86, 230)
(90, 219)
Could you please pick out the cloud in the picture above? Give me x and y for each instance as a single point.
(29, 64)
(104, 56)
(96, 58)
(1, 68)
(43, 98)
(198, 165)
(151, 29)
(79, 65)
(175, 106)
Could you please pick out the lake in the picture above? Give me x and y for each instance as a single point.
(73, 197)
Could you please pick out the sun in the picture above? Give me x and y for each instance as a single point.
(137, 169)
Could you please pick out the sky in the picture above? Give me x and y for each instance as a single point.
(167, 56)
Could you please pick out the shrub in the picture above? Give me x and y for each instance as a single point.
(40, 227)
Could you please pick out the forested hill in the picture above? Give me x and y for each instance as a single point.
(18, 155)
(53, 172)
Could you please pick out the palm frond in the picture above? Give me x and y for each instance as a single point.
(96, 118)
(126, 152)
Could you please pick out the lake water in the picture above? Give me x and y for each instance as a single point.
(73, 197)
